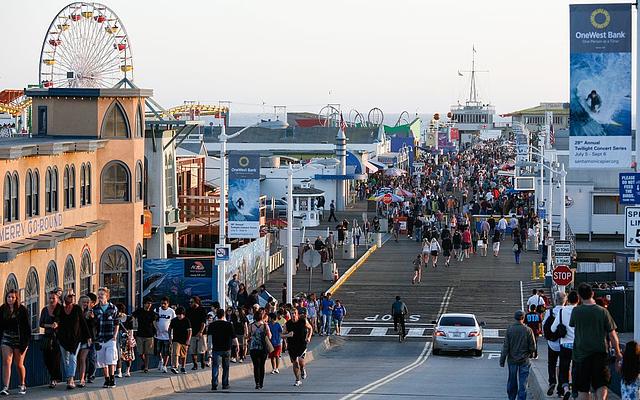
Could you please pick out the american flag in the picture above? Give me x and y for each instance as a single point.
(552, 135)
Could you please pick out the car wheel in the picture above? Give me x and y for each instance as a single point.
(477, 353)
(436, 352)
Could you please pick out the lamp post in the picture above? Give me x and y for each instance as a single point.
(222, 235)
(290, 265)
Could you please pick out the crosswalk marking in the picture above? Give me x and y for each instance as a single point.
(345, 330)
(378, 331)
(416, 332)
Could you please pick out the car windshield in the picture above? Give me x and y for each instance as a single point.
(457, 321)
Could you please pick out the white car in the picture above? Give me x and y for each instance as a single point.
(457, 332)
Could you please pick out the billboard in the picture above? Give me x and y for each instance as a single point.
(600, 86)
(244, 196)
(179, 279)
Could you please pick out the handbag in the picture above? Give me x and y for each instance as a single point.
(515, 247)
(268, 345)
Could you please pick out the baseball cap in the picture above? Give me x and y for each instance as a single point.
(519, 315)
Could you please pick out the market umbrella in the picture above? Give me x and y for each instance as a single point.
(389, 198)
(404, 193)
(394, 172)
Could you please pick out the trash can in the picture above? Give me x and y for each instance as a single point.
(379, 239)
(327, 271)
(349, 251)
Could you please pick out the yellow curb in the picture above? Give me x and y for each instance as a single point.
(351, 270)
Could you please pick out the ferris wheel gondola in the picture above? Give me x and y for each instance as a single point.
(86, 46)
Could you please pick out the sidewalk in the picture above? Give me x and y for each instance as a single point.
(155, 384)
(538, 380)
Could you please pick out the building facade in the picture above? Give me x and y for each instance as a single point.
(72, 214)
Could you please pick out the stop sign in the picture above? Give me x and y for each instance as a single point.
(562, 275)
(387, 198)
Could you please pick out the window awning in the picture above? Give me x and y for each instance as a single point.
(371, 167)
(378, 164)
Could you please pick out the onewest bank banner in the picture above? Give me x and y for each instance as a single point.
(600, 86)
(30, 227)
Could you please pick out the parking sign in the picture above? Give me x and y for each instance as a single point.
(632, 227)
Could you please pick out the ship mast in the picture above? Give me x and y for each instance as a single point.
(473, 92)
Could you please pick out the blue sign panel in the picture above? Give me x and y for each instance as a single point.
(629, 188)
(244, 196)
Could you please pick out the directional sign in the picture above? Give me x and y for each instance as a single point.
(629, 188)
(223, 253)
(562, 275)
(632, 227)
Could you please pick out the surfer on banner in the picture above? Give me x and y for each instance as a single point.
(594, 101)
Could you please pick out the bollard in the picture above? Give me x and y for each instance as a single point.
(541, 271)
(534, 270)
(379, 239)
(349, 252)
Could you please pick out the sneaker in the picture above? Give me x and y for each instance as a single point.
(128, 374)
(4, 391)
(277, 371)
(22, 389)
(174, 370)
(112, 383)
(195, 367)
(106, 383)
(160, 365)
(297, 383)
(241, 360)
(119, 374)
(184, 371)
(233, 360)
(214, 387)
(146, 370)
(273, 372)
(567, 395)
(164, 369)
(91, 379)
(551, 389)
(225, 387)
(303, 375)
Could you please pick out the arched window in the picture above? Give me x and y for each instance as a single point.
(83, 185)
(15, 215)
(115, 267)
(65, 186)
(139, 187)
(139, 123)
(115, 124)
(6, 214)
(69, 278)
(47, 191)
(51, 190)
(28, 194)
(138, 275)
(72, 186)
(10, 284)
(51, 279)
(85, 273)
(35, 198)
(32, 297)
(145, 182)
(88, 182)
(115, 183)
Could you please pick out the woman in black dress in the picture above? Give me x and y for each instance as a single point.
(15, 333)
(49, 321)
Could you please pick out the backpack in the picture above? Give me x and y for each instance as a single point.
(561, 329)
(546, 328)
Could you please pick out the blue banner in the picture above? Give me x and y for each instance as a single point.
(629, 188)
(179, 279)
(600, 86)
(244, 196)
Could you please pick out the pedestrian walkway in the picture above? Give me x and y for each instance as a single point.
(489, 287)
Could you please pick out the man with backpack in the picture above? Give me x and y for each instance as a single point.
(553, 342)
(566, 335)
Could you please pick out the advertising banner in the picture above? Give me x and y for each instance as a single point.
(600, 86)
(244, 196)
(179, 279)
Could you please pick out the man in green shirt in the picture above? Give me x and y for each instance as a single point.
(593, 324)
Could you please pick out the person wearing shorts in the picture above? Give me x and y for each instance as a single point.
(180, 332)
(593, 324)
(106, 317)
(146, 318)
(197, 316)
(276, 341)
(298, 332)
(163, 346)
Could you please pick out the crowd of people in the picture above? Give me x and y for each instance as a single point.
(90, 334)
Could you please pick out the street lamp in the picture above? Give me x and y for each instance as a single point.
(222, 235)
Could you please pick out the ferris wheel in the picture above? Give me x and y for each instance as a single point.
(86, 46)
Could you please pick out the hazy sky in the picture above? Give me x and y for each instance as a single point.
(397, 55)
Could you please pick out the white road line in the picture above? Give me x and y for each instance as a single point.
(377, 331)
(416, 332)
(491, 333)
(422, 358)
(521, 297)
(345, 330)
